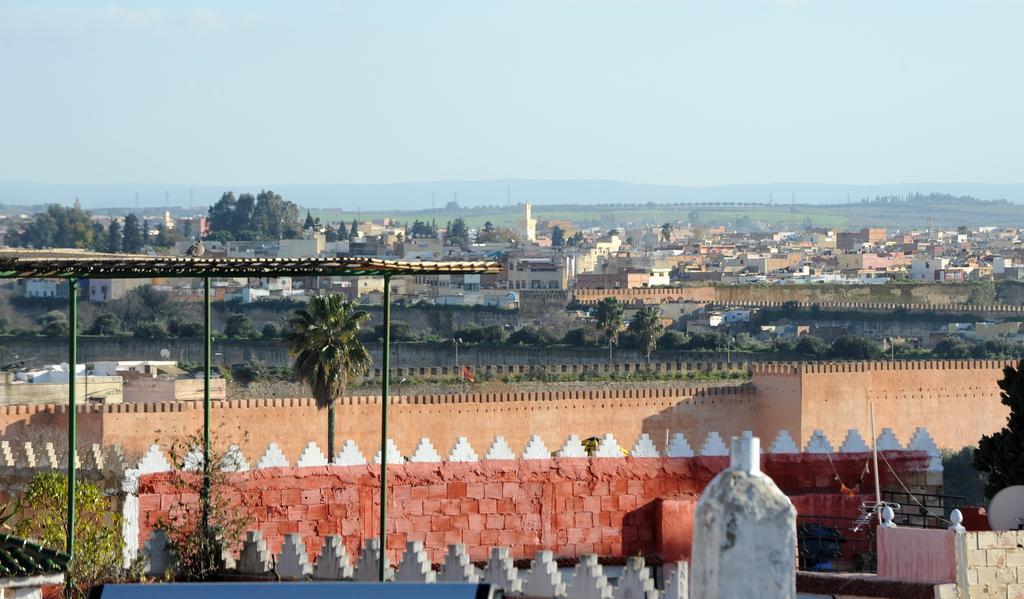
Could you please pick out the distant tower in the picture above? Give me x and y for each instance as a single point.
(78, 205)
(529, 225)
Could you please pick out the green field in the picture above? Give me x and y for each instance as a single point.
(777, 217)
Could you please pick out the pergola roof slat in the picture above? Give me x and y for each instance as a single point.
(107, 267)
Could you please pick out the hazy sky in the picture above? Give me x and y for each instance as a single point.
(652, 91)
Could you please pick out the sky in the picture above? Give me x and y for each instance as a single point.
(382, 91)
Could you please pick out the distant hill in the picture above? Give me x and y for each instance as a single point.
(424, 195)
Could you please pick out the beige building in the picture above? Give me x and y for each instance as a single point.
(91, 389)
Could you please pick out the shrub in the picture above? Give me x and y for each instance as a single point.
(43, 513)
(271, 331)
(54, 324)
(151, 330)
(239, 326)
(106, 324)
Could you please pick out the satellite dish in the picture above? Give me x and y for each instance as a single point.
(64, 366)
(1006, 510)
(165, 353)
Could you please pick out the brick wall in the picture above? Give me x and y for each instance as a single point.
(995, 563)
(612, 507)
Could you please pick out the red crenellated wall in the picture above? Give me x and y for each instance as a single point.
(573, 506)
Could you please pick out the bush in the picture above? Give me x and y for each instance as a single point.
(250, 371)
(106, 324)
(810, 346)
(240, 326)
(707, 341)
(43, 513)
(953, 348)
(200, 549)
(960, 477)
(54, 324)
(854, 347)
(578, 338)
(271, 331)
(533, 336)
(492, 334)
(673, 340)
(400, 331)
(151, 330)
(185, 328)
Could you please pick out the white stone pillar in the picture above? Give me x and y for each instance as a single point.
(744, 536)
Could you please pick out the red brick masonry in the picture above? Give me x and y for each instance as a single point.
(574, 506)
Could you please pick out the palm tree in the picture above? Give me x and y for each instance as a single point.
(324, 338)
(666, 232)
(608, 315)
(646, 325)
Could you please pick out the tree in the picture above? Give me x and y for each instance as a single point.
(165, 237)
(133, 237)
(310, 223)
(106, 324)
(952, 348)
(99, 238)
(557, 237)
(54, 324)
(342, 232)
(115, 239)
(152, 329)
(810, 346)
(1001, 454)
(239, 326)
(457, 233)
(324, 338)
(57, 226)
(608, 315)
(666, 232)
(353, 231)
(576, 239)
(646, 325)
(854, 347)
(270, 331)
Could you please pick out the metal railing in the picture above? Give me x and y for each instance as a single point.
(830, 544)
(923, 510)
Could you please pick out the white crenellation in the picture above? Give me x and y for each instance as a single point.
(394, 456)
(501, 572)
(114, 464)
(783, 443)
(679, 447)
(62, 463)
(589, 581)
(922, 441)
(535, 449)
(818, 443)
(573, 448)
(544, 579)
(92, 457)
(644, 448)
(154, 461)
(415, 566)
(714, 445)
(233, 460)
(27, 457)
(457, 566)
(293, 561)
(193, 461)
(608, 447)
(887, 441)
(676, 575)
(636, 581)
(854, 443)
(47, 458)
(499, 450)
(462, 452)
(333, 563)
(311, 456)
(6, 455)
(349, 455)
(255, 557)
(368, 569)
(425, 452)
(158, 554)
(273, 457)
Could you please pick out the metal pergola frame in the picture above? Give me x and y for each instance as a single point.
(73, 266)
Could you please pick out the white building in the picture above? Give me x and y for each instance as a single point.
(924, 267)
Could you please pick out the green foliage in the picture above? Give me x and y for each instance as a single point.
(491, 334)
(960, 477)
(533, 336)
(1001, 454)
(982, 292)
(250, 371)
(400, 332)
(666, 232)
(578, 337)
(240, 326)
(151, 329)
(266, 217)
(54, 324)
(557, 236)
(673, 341)
(324, 338)
(43, 511)
(270, 331)
(133, 237)
(179, 327)
(608, 316)
(58, 226)
(106, 324)
(952, 348)
(707, 341)
(457, 233)
(810, 346)
(854, 347)
(199, 547)
(646, 326)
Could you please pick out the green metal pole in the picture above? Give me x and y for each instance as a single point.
(385, 379)
(72, 408)
(207, 333)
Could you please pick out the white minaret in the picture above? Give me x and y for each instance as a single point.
(529, 225)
